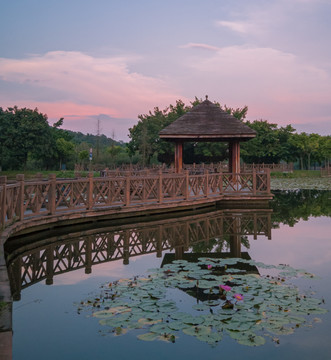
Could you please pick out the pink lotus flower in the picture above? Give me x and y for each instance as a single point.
(225, 287)
(238, 297)
(209, 267)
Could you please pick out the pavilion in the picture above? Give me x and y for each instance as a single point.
(208, 122)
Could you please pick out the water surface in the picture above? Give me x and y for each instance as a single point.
(295, 231)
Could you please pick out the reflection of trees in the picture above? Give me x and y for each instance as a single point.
(291, 206)
(219, 245)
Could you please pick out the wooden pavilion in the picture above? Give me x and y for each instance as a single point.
(208, 122)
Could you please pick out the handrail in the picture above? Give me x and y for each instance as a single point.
(194, 169)
(326, 171)
(24, 199)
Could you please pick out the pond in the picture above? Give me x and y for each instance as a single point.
(73, 301)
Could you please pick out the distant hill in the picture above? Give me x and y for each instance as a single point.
(104, 141)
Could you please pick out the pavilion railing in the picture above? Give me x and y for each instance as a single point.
(326, 171)
(25, 199)
(194, 169)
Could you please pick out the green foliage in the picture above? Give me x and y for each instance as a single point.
(311, 148)
(145, 136)
(65, 149)
(23, 133)
(27, 142)
(271, 144)
(290, 206)
(83, 156)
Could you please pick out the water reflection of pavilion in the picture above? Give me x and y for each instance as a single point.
(44, 258)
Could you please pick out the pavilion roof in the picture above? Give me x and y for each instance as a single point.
(207, 122)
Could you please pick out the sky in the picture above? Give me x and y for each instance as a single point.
(112, 61)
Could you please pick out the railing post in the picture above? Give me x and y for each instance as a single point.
(160, 192)
(255, 226)
(3, 203)
(90, 191)
(52, 194)
(187, 185)
(206, 183)
(158, 244)
(268, 181)
(127, 190)
(126, 247)
(221, 182)
(144, 186)
(20, 200)
(50, 264)
(254, 181)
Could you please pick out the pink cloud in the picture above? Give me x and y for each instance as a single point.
(199, 46)
(276, 86)
(89, 85)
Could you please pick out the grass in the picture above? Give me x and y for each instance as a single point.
(11, 175)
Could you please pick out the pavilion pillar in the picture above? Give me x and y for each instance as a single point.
(178, 156)
(235, 237)
(234, 157)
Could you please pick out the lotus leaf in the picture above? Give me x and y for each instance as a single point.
(269, 302)
(148, 336)
(197, 330)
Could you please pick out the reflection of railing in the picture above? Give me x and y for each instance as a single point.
(24, 199)
(29, 264)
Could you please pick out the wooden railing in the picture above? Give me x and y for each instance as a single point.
(286, 167)
(194, 169)
(326, 171)
(23, 199)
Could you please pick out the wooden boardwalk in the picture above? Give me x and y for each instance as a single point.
(44, 198)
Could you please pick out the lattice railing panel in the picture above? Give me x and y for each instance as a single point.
(246, 183)
(33, 267)
(12, 193)
(116, 191)
(197, 185)
(173, 236)
(71, 194)
(143, 189)
(173, 187)
(101, 192)
(36, 197)
(261, 182)
(215, 227)
(238, 183)
(215, 184)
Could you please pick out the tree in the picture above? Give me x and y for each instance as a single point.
(325, 149)
(271, 144)
(145, 135)
(65, 149)
(83, 157)
(146, 141)
(306, 145)
(24, 132)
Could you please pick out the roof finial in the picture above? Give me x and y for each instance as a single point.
(206, 97)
